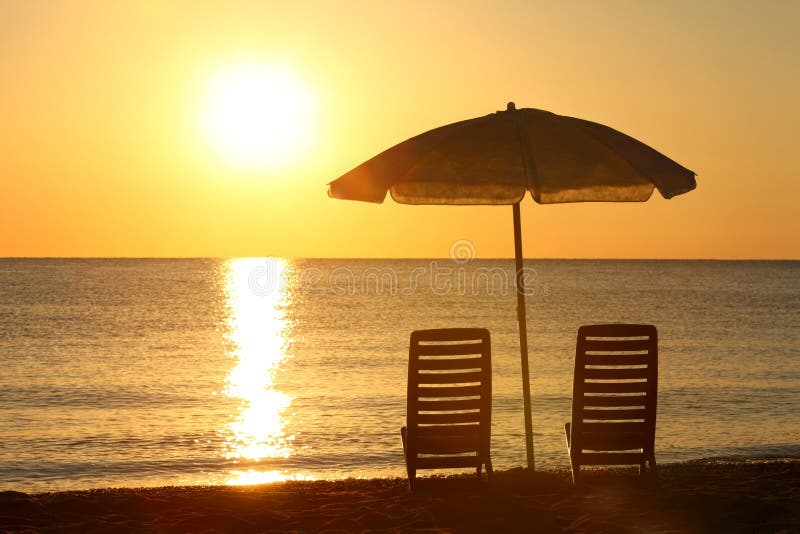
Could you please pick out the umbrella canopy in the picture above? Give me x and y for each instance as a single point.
(496, 158)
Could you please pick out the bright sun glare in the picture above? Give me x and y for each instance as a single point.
(257, 115)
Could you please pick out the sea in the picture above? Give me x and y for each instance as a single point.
(153, 372)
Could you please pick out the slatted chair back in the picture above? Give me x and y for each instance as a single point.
(449, 400)
(614, 397)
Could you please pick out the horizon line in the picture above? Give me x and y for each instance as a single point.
(384, 258)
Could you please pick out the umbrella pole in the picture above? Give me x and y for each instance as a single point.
(523, 337)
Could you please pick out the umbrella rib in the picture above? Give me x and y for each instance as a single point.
(436, 145)
(591, 134)
(531, 173)
(588, 132)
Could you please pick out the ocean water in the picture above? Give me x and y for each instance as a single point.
(144, 372)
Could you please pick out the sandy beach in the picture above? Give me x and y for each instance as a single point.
(704, 496)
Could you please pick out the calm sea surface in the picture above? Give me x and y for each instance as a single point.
(156, 372)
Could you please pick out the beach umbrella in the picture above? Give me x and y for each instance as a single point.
(496, 158)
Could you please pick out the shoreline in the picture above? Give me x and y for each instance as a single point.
(712, 495)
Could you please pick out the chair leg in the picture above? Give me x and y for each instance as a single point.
(576, 468)
(489, 471)
(478, 471)
(576, 471)
(412, 478)
(410, 469)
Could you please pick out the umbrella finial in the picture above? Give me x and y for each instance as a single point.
(511, 107)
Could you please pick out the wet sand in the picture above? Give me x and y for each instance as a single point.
(705, 496)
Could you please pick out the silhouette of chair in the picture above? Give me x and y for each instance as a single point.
(449, 401)
(614, 397)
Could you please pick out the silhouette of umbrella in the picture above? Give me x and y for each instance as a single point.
(495, 159)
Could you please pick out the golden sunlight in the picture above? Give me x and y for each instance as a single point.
(257, 332)
(257, 115)
(251, 477)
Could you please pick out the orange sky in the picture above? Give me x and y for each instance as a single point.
(102, 152)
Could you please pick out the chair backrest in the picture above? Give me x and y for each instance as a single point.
(449, 396)
(614, 392)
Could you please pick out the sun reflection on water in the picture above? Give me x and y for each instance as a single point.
(250, 477)
(258, 337)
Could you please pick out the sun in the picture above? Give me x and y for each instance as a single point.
(257, 115)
